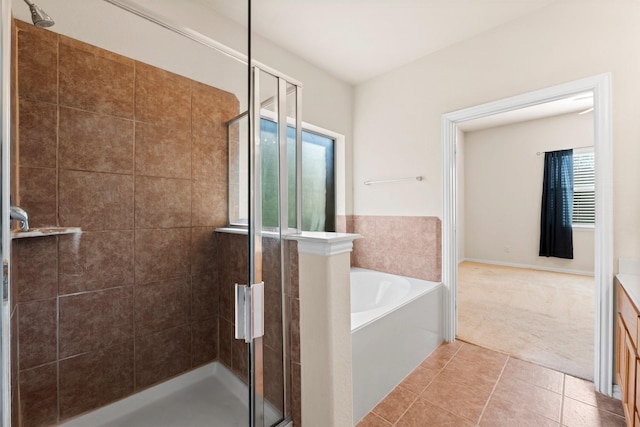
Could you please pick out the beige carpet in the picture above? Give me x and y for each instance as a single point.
(538, 316)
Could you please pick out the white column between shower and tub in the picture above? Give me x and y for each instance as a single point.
(325, 328)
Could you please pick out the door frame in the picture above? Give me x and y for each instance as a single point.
(600, 85)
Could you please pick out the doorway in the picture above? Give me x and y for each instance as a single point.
(600, 86)
(511, 299)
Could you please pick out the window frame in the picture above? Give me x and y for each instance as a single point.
(335, 203)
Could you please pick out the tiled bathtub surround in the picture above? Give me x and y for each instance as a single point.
(137, 157)
(404, 245)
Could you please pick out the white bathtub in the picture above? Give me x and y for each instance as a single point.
(396, 322)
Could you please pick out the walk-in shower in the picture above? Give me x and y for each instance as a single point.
(135, 316)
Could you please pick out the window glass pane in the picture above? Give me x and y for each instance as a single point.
(238, 172)
(292, 164)
(314, 192)
(291, 170)
(318, 182)
(270, 187)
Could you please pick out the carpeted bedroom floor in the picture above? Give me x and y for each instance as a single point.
(537, 316)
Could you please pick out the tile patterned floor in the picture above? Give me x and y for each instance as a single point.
(461, 384)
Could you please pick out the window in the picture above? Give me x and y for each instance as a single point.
(584, 194)
(318, 177)
(318, 182)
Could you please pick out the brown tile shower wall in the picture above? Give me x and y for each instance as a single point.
(137, 157)
(404, 245)
(233, 270)
(292, 300)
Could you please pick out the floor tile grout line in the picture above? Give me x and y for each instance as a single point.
(586, 402)
(442, 409)
(452, 356)
(404, 412)
(581, 400)
(545, 389)
(439, 372)
(486, 404)
(558, 421)
(417, 394)
(372, 411)
(564, 387)
(426, 387)
(377, 416)
(596, 407)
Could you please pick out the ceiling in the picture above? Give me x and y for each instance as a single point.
(356, 40)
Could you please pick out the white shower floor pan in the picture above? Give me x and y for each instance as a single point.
(210, 396)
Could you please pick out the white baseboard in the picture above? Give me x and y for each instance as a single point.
(616, 392)
(532, 267)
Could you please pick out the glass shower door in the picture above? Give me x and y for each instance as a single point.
(5, 137)
(271, 213)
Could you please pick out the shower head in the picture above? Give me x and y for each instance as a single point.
(39, 16)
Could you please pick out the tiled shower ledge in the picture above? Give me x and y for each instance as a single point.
(45, 231)
(243, 231)
(317, 236)
(313, 242)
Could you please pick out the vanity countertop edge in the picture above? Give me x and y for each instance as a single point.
(631, 284)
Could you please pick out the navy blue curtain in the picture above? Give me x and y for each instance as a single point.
(556, 234)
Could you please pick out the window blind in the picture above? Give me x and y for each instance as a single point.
(584, 195)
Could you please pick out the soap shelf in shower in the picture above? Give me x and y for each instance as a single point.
(44, 232)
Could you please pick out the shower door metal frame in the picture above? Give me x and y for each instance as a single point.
(5, 231)
(256, 377)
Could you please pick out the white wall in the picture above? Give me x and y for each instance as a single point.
(503, 191)
(397, 115)
(327, 101)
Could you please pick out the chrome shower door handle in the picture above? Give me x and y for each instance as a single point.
(239, 304)
(249, 311)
